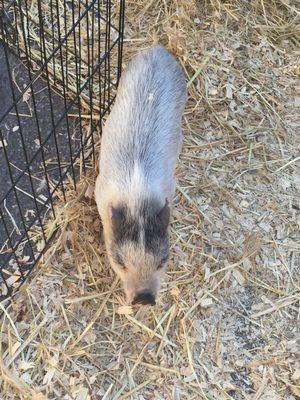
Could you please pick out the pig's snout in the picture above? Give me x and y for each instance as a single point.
(140, 291)
(144, 298)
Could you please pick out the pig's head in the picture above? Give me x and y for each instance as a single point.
(138, 248)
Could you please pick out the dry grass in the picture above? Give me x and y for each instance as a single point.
(226, 323)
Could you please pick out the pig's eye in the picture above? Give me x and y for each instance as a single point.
(122, 265)
(163, 262)
(118, 260)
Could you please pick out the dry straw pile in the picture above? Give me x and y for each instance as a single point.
(226, 323)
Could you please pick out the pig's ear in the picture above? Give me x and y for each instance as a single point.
(164, 216)
(116, 215)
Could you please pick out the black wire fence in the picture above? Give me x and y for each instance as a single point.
(60, 62)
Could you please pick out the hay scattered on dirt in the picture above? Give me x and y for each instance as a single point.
(226, 323)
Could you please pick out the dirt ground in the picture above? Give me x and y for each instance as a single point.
(227, 321)
(22, 139)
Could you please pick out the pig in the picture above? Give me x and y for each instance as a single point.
(140, 144)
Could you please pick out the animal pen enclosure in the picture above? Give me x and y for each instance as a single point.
(226, 324)
(60, 62)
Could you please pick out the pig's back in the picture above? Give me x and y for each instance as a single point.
(142, 136)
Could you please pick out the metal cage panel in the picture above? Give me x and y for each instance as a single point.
(60, 62)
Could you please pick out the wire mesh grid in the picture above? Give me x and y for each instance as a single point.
(60, 62)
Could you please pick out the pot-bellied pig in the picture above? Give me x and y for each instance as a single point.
(141, 142)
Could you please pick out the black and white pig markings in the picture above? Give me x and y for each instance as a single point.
(141, 142)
